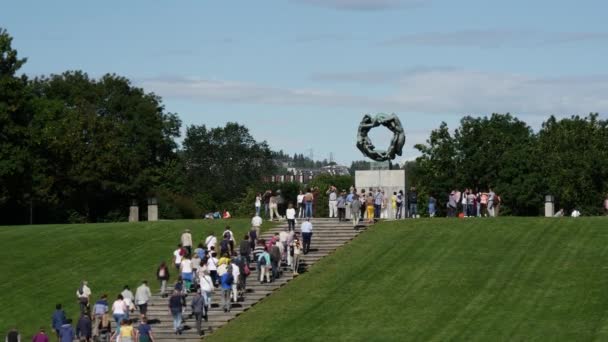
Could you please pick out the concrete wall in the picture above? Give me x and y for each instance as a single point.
(388, 180)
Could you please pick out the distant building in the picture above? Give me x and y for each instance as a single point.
(304, 176)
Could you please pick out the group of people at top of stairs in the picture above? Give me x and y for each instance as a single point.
(218, 265)
(94, 323)
(376, 204)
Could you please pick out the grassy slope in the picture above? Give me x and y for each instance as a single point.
(43, 265)
(467, 280)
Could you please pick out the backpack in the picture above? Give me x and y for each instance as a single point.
(229, 276)
(224, 246)
(262, 260)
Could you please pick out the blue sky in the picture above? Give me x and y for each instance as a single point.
(300, 73)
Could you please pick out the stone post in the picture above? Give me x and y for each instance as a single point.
(549, 206)
(134, 212)
(152, 209)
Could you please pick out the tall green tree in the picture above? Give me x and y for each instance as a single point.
(574, 161)
(222, 162)
(15, 115)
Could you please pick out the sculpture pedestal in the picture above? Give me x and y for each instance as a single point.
(388, 180)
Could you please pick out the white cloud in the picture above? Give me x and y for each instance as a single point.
(494, 38)
(363, 5)
(427, 91)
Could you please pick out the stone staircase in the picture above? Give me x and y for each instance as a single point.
(328, 235)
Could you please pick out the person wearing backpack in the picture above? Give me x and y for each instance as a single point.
(264, 265)
(227, 279)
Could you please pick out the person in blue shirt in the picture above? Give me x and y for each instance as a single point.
(66, 332)
(58, 319)
(226, 284)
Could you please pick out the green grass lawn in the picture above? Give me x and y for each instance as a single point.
(43, 265)
(506, 279)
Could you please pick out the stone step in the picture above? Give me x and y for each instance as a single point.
(328, 235)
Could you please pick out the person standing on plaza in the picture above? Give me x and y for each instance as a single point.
(378, 200)
(306, 229)
(363, 200)
(349, 202)
(186, 240)
(308, 203)
(393, 213)
(266, 200)
(300, 204)
(370, 207)
(142, 296)
(258, 204)
(432, 206)
(290, 214)
(341, 205)
(412, 199)
(400, 204)
(274, 207)
(491, 203)
(355, 207)
(333, 201)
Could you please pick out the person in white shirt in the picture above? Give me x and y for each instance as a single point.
(211, 241)
(186, 240)
(120, 310)
(256, 223)
(178, 254)
(207, 288)
(291, 217)
(235, 275)
(212, 267)
(306, 229)
(300, 204)
(186, 269)
(83, 294)
(142, 296)
(258, 204)
(283, 237)
(128, 298)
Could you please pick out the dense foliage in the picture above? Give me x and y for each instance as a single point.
(567, 158)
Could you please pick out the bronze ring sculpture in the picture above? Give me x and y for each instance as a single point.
(365, 145)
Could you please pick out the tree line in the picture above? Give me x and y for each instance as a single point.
(78, 149)
(566, 158)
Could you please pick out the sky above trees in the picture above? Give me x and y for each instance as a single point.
(301, 73)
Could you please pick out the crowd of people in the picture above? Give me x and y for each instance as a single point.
(220, 266)
(374, 204)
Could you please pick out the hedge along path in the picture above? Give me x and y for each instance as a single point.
(328, 235)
